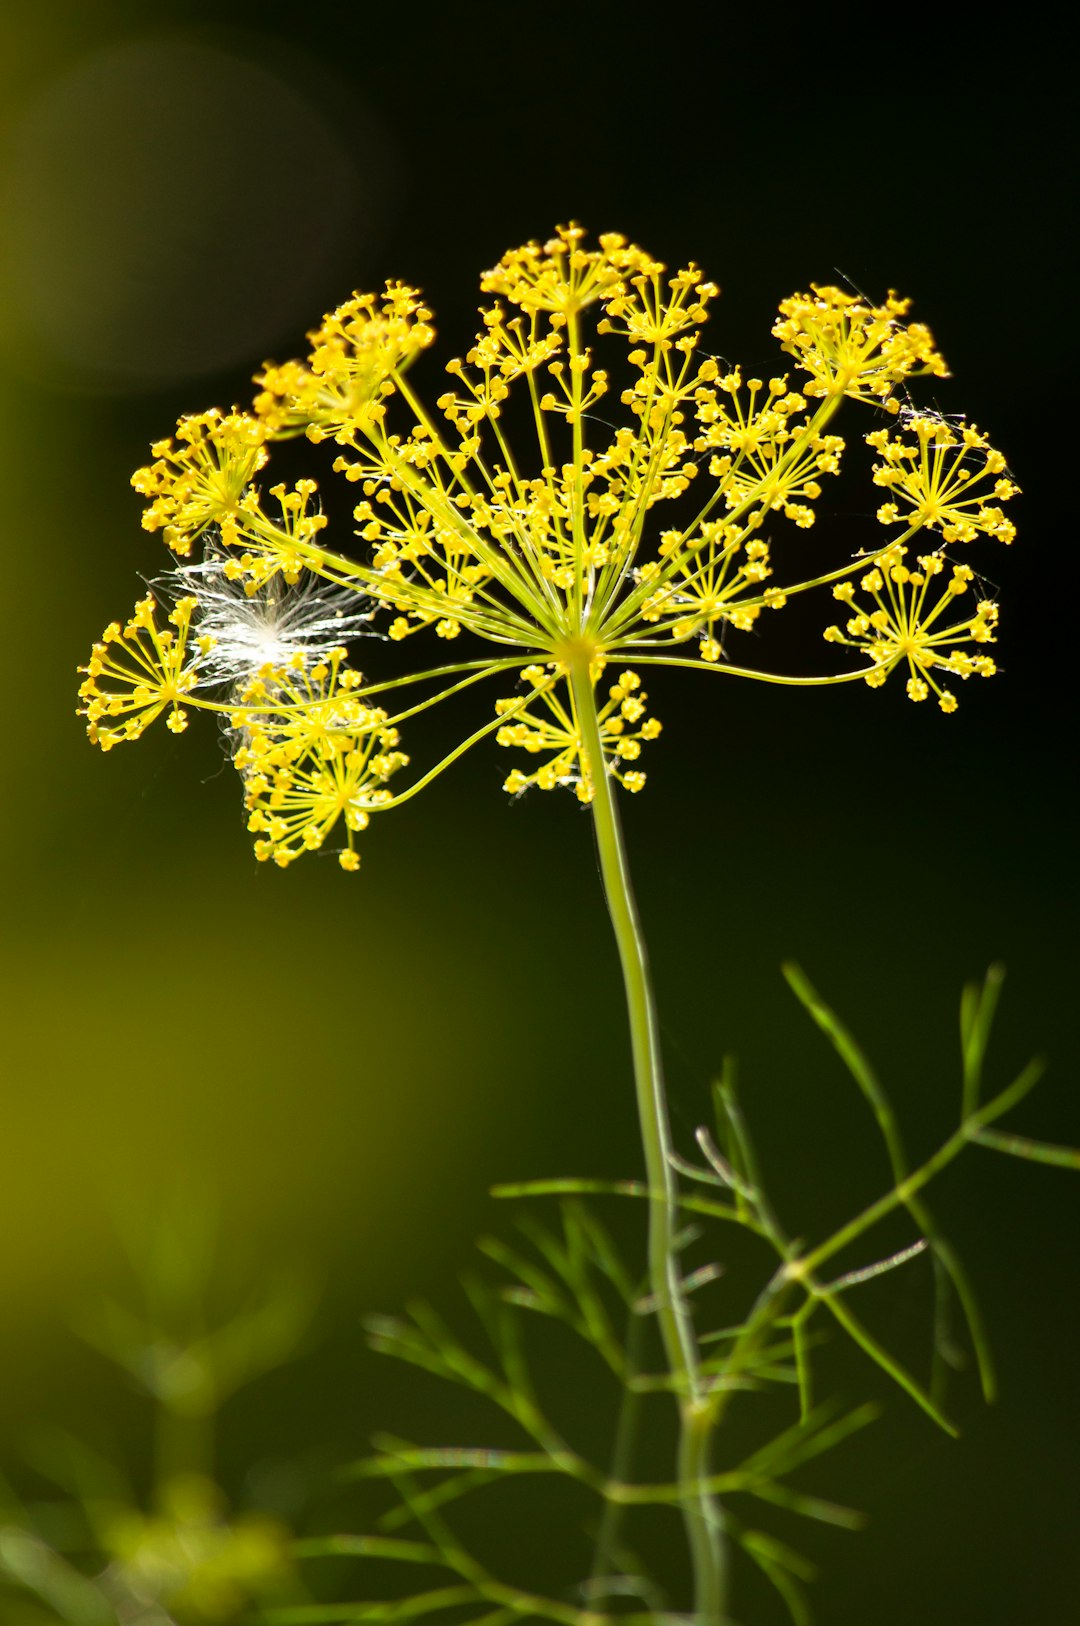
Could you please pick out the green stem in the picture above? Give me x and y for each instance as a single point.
(701, 1514)
(972, 1128)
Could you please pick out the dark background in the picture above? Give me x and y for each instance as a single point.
(351, 1063)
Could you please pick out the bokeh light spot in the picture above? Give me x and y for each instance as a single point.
(173, 208)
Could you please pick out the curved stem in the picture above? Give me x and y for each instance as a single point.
(628, 653)
(702, 1516)
(459, 751)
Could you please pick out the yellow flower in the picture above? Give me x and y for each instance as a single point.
(198, 479)
(910, 623)
(654, 502)
(355, 356)
(950, 480)
(762, 463)
(464, 538)
(138, 671)
(311, 754)
(265, 545)
(855, 349)
(561, 277)
(551, 726)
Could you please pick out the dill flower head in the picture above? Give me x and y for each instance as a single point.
(853, 348)
(355, 355)
(949, 479)
(139, 671)
(198, 478)
(551, 729)
(920, 617)
(310, 754)
(592, 486)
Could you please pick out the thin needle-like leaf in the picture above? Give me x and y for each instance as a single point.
(868, 1273)
(946, 1256)
(977, 1011)
(1034, 1151)
(888, 1363)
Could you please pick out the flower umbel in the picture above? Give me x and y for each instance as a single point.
(355, 356)
(311, 753)
(853, 348)
(140, 670)
(549, 552)
(198, 479)
(911, 623)
(553, 726)
(948, 479)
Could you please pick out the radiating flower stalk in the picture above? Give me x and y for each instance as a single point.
(587, 551)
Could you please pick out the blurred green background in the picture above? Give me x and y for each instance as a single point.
(349, 1064)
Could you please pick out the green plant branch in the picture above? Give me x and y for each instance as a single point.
(1034, 1151)
(946, 1258)
(909, 1187)
(559, 1281)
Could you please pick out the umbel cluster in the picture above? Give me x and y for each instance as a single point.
(642, 544)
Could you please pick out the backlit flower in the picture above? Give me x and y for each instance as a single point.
(921, 618)
(140, 670)
(198, 478)
(949, 479)
(652, 505)
(550, 728)
(312, 754)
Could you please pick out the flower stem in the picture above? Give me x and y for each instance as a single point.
(701, 1513)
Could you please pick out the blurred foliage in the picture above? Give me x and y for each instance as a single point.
(100, 1557)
